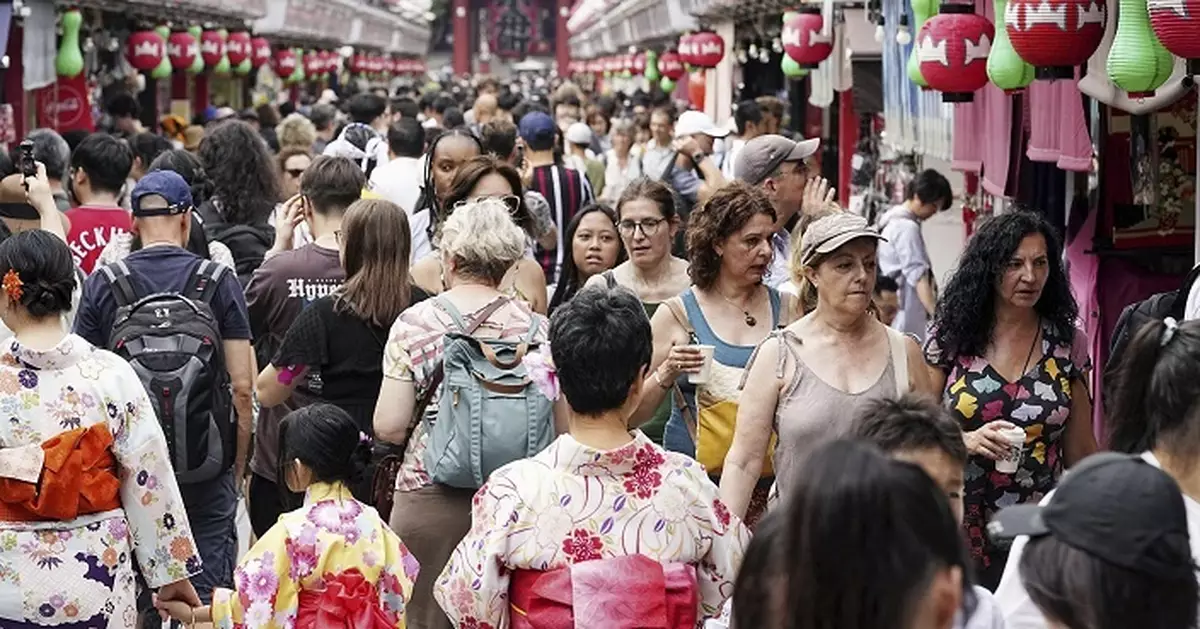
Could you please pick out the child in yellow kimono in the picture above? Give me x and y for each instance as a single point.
(331, 563)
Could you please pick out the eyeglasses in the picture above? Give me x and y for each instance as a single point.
(294, 173)
(649, 227)
(512, 201)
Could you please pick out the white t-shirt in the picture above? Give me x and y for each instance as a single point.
(1020, 612)
(399, 181)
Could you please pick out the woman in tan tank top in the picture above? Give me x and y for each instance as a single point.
(805, 381)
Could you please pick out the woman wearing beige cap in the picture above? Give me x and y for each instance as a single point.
(806, 381)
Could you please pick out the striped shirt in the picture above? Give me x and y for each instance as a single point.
(567, 190)
(413, 349)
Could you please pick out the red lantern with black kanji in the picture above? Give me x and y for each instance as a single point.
(285, 62)
(260, 54)
(182, 50)
(238, 48)
(685, 49)
(952, 48)
(1054, 36)
(1177, 25)
(708, 49)
(212, 48)
(802, 38)
(145, 50)
(671, 66)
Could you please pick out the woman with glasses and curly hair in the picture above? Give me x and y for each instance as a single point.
(486, 177)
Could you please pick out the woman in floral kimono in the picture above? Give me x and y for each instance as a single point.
(86, 483)
(331, 563)
(642, 526)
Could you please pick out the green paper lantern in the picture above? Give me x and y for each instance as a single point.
(791, 69)
(1137, 61)
(69, 60)
(922, 11)
(298, 74)
(652, 73)
(198, 63)
(222, 68)
(667, 85)
(163, 70)
(244, 67)
(1005, 68)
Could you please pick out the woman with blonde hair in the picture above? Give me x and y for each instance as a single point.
(296, 131)
(478, 246)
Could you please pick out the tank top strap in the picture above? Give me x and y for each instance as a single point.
(786, 339)
(701, 330)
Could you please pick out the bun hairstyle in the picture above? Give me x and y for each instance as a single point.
(326, 440)
(46, 270)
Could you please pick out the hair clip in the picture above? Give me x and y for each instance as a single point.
(13, 285)
(364, 438)
(1172, 326)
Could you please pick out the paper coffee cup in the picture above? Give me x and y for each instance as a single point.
(1009, 463)
(706, 370)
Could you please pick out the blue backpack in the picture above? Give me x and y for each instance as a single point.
(489, 412)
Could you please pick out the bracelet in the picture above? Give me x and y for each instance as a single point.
(662, 384)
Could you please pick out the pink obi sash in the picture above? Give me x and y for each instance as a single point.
(631, 592)
(348, 601)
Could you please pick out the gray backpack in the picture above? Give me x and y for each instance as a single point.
(489, 412)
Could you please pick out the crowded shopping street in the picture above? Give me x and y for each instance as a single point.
(599, 314)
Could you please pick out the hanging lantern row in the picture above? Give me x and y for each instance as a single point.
(704, 49)
(160, 51)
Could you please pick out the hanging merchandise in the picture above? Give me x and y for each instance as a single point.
(144, 50)
(1177, 25)
(163, 69)
(182, 50)
(652, 73)
(1137, 62)
(222, 68)
(671, 66)
(1055, 35)
(285, 63)
(667, 85)
(238, 47)
(69, 60)
(260, 52)
(708, 49)
(922, 11)
(685, 49)
(802, 38)
(953, 48)
(197, 34)
(791, 69)
(1006, 69)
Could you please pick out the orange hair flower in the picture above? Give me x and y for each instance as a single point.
(13, 285)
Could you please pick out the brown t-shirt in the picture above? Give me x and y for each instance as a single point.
(281, 288)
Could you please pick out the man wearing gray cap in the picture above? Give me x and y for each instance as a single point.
(781, 168)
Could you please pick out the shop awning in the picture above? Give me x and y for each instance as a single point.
(308, 22)
(181, 10)
(631, 23)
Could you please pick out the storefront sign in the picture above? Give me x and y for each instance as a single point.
(65, 106)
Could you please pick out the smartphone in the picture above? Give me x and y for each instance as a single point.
(26, 164)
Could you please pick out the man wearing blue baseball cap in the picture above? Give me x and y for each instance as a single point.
(566, 189)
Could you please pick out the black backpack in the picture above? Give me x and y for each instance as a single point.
(248, 244)
(173, 343)
(1154, 308)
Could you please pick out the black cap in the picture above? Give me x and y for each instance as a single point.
(1115, 507)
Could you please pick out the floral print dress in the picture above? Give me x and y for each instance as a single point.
(80, 573)
(1040, 402)
(311, 549)
(571, 503)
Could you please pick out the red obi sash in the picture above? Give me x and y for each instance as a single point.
(631, 592)
(78, 477)
(348, 601)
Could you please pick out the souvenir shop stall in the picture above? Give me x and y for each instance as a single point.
(1090, 124)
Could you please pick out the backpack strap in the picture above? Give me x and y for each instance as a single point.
(203, 282)
(675, 305)
(118, 277)
(896, 340)
(1179, 307)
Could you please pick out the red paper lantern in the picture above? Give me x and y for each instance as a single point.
(333, 62)
(145, 50)
(182, 50)
(952, 49)
(686, 50)
(1055, 35)
(212, 48)
(238, 47)
(389, 64)
(285, 62)
(708, 49)
(312, 64)
(639, 63)
(1177, 25)
(260, 52)
(671, 66)
(802, 38)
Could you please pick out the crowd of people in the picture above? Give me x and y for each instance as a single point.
(474, 356)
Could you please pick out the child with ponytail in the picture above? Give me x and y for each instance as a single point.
(332, 562)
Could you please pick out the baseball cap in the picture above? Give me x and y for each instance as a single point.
(828, 233)
(166, 184)
(763, 155)
(536, 125)
(579, 133)
(1115, 507)
(693, 122)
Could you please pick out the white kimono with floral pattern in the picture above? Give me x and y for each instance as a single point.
(571, 503)
(80, 573)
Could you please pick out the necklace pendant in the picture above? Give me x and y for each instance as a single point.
(750, 320)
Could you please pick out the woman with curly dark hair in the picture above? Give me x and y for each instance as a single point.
(1004, 349)
(245, 191)
(710, 331)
